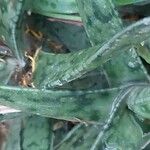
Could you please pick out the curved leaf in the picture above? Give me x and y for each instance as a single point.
(10, 12)
(89, 106)
(139, 101)
(145, 141)
(126, 134)
(100, 20)
(7, 68)
(63, 68)
(48, 7)
(117, 137)
(126, 2)
(101, 24)
(13, 139)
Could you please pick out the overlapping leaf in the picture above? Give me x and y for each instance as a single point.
(64, 68)
(92, 106)
(69, 105)
(139, 101)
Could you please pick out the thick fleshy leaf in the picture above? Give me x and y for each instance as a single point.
(82, 137)
(103, 27)
(79, 106)
(31, 132)
(11, 115)
(68, 105)
(7, 68)
(126, 134)
(57, 9)
(13, 139)
(47, 7)
(36, 133)
(125, 2)
(4, 50)
(139, 101)
(9, 16)
(145, 141)
(100, 20)
(64, 68)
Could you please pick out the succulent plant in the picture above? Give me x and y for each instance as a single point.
(78, 71)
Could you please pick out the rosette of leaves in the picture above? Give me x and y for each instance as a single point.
(78, 72)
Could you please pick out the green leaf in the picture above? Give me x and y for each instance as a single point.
(144, 52)
(48, 7)
(63, 68)
(117, 137)
(57, 9)
(126, 2)
(30, 132)
(9, 17)
(139, 101)
(11, 115)
(126, 134)
(146, 140)
(13, 134)
(100, 20)
(89, 106)
(37, 133)
(101, 24)
(80, 137)
(7, 68)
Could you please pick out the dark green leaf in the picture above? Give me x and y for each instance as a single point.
(78, 105)
(63, 68)
(126, 134)
(139, 101)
